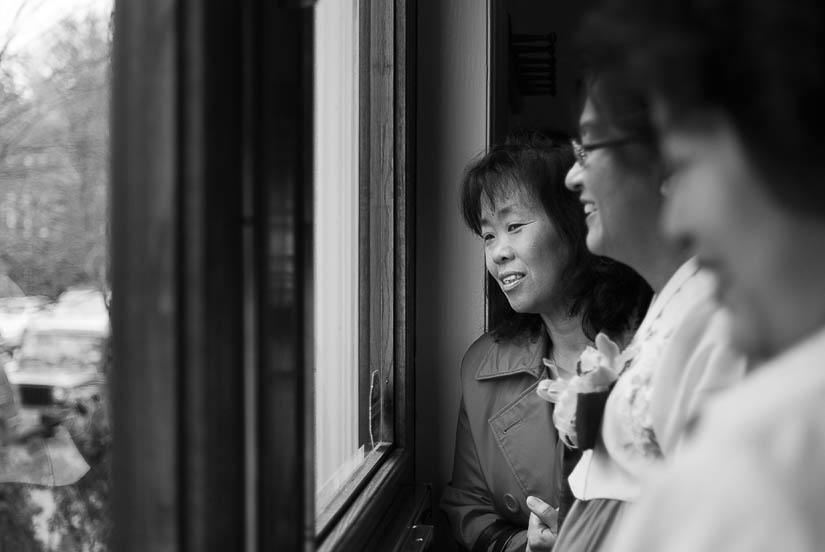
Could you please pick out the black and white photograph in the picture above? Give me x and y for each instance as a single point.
(412, 276)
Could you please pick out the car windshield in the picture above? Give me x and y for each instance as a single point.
(65, 349)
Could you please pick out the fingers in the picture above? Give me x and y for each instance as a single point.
(539, 536)
(546, 513)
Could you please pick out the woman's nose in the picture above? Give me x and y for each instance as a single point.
(502, 251)
(573, 180)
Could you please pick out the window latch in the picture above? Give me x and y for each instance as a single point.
(419, 539)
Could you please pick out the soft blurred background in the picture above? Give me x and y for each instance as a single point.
(55, 65)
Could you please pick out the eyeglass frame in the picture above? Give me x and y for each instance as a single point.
(581, 150)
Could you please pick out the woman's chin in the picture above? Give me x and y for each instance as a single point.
(523, 307)
(517, 306)
(595, 243)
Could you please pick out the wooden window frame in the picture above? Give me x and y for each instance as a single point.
(212, 278)
(356, 518)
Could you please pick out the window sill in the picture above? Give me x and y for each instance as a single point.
(382, 505)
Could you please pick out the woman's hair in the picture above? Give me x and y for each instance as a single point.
(620, 105)
(760, 62)
(609, 295)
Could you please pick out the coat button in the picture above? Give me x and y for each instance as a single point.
(510, 503)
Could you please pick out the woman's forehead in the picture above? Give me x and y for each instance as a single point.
(513, 196)
(591, 123)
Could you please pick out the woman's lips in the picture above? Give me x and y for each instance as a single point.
(511, 280)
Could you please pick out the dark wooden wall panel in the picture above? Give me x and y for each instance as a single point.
(144, 259)
(211, 368)
(282, 170)
(179, 162)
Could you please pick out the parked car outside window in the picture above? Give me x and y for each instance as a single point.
(15, 314)
(62, 357)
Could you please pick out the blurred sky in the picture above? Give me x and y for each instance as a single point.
(26, 25)
(36, 17)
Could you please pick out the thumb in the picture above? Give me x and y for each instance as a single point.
(546, 513)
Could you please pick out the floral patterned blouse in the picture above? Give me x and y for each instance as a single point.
(678, 356)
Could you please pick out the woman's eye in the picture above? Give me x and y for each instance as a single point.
(673, 169)
(486, 237)
(514, 226)
(670, 178)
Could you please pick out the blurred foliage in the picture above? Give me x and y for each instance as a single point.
(54, 157)
(81, 516)
(80, 520)
(17, 511)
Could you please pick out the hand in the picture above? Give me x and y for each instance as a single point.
(543, 525)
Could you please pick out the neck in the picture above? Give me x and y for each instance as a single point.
(793, 286)
(567, 336)
(658, 265)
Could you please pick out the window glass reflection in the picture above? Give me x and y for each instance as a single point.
(54, 286)
(340, 445)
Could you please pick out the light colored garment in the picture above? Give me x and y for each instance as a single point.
(753, 478)
(679, 357)
(590, 525)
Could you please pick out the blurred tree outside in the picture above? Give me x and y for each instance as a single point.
(54, 178)
(17, 511)
(81, 515)
(54, 155)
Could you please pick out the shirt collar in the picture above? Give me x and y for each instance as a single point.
(661, 300)
(507, 358)
(675, 283)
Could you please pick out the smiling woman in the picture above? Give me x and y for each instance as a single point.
(559, 296)
(524, 252)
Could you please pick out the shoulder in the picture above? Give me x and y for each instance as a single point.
(701, 343)
(489, 358)
(782, 423)
(482, 353)
(750, 478)
(722, 497)
(476, 353)
(765, 450)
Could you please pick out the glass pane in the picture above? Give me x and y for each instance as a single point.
(339, 445)
(54, 286)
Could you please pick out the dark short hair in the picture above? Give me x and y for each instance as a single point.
(625, 108)
(761, 62)
(610, 295)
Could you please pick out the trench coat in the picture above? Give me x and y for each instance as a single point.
(506, 444)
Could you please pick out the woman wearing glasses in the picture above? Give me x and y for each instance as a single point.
(559, 295)
(679, 354)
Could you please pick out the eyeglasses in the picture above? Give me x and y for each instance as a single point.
(582, 150)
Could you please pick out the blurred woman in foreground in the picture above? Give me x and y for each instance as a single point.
(739, 126)
(679, 355)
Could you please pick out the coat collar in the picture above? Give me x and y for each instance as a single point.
(507, 358)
